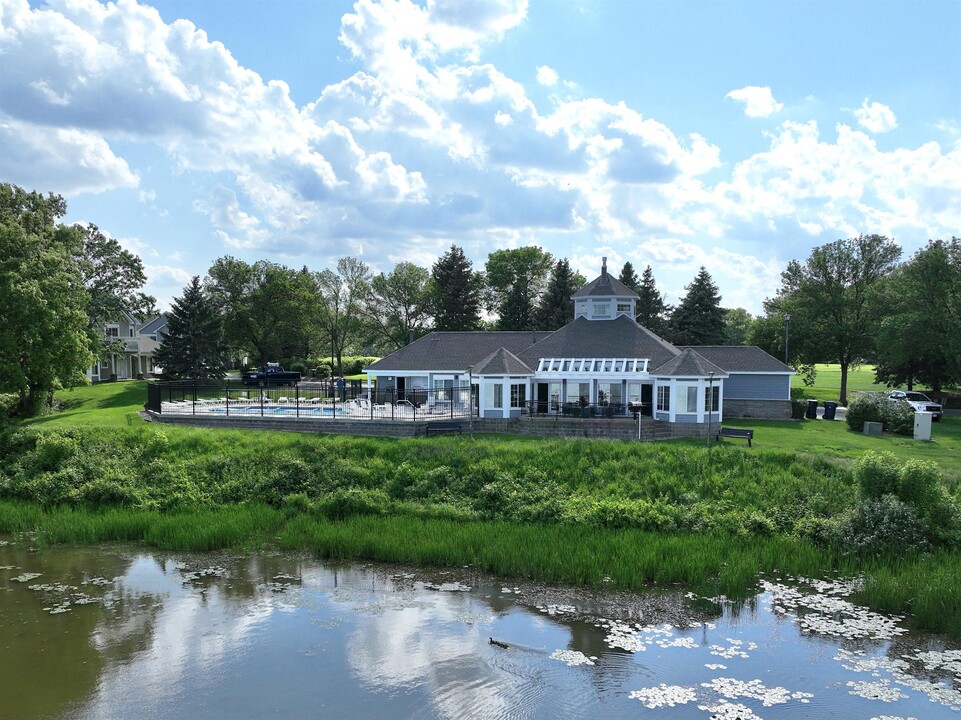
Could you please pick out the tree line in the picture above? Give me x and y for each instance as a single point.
(265, 311)
(850, 302)
(854, 302)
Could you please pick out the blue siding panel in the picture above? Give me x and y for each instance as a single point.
(757, 387)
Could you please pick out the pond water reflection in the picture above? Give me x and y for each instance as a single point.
(115, 632)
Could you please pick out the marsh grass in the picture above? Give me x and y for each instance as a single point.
(572, 511)
(927, 587)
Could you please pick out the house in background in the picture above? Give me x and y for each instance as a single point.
(602, 362)
(135, 358)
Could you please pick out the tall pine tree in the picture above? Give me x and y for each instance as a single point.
(556, 307)
(192, 348)
(629, 277)
(456, 291)
(699, 319)
(652, 311)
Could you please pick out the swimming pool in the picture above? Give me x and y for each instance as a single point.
(303, 411)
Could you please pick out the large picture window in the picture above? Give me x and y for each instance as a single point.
(518, 395)
(691, 399)
(494, 395)
(664, 398)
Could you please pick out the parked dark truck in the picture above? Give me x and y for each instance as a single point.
(271, 374)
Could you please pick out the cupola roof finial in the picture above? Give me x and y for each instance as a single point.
(603, 267)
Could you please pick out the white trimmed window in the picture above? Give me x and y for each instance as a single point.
(602, 308)
(664, 398)
(518, 395)
(623, 307)
(691, 399)
(711, 403)
(495, 395)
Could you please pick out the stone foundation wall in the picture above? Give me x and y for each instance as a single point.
(620, 429)
(760, 409)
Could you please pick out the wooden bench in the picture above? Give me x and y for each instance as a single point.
(443, 427)
(742, 433)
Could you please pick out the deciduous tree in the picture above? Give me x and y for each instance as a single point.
(914, 338)
(342, 296)
(516, 279)
(399, 304)
(43, 301)
(265, 308)
(833, 297)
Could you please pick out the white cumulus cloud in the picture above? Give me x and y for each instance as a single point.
(758, 101)
(875, 117)
(547, 76)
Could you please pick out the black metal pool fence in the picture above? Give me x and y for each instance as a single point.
(354, 400)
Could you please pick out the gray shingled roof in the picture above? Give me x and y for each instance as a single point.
(455, 350)
(618, 338)
(742, 358)
(502, 362)
(157, 322)
(604, 286)
(689, 363)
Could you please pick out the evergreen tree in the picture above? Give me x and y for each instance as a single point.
(699, 319)
(629, 277)
(193, 347)
(556, 307)
(456, 291)
(652, 311)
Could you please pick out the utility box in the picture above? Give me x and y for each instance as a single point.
(922, 425)
(873, 428)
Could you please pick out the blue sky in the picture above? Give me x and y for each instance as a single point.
(734, 135)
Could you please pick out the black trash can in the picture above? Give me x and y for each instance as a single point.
(812, 412)
(829, 409)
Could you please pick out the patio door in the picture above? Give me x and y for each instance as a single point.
(647, 400)
(543, 397)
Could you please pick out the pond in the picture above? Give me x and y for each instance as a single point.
(119, 632)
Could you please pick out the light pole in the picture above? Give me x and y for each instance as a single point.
(710, 405)
(470, 400)
(787, 319)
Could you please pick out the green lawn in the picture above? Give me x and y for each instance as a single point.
(117, 404)
(827, 384)
(103, 404)
(833, 440)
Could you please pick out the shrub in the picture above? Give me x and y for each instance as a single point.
(9, 405)
(881, 526)
(877, 474)
(896, 417)
(105, 492)
(864, 408)
(347, 502)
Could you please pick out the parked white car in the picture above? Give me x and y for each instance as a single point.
(919, 401)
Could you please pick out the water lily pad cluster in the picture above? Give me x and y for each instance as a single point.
(892, 673)
(819, 607)
(573, 658)
(664, 696)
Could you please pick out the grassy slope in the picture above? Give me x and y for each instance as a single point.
(116, 404)
(901, 587)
